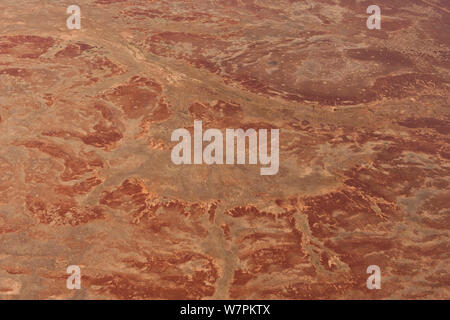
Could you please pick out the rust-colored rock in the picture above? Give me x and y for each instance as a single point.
(86, 176)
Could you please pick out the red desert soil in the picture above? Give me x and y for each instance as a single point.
(86, 177)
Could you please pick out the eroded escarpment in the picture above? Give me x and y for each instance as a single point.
(86, 177)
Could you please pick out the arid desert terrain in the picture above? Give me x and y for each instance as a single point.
(86, 177)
